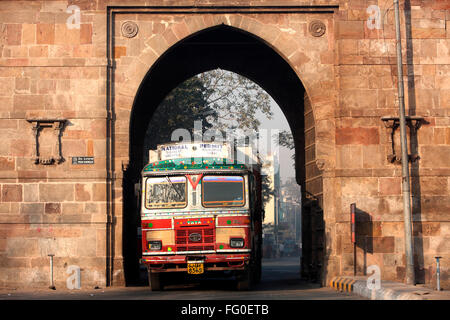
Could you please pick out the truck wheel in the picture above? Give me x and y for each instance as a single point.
(154, 281)
(244, 280)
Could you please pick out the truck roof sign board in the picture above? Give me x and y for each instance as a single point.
(193, 150)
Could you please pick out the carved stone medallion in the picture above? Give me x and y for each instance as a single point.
(129, 29)
(317, 28)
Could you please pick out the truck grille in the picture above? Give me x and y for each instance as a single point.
(195, 239)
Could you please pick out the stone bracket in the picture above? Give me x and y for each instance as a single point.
(392, 123)
(58, 126)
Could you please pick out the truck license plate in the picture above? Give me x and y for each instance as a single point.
(195, 268)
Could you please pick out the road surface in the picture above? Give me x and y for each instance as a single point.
(280, 281)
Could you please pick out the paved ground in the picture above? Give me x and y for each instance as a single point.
(280, 281)
(388, 290)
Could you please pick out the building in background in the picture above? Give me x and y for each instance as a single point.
(291, 208)
(271, 169)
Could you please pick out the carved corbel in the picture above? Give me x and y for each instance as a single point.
(58, 126)
(392, 123)
(321, 164)
(125, 165)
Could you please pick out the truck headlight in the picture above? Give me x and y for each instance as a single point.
(237, 242)
(154, 245)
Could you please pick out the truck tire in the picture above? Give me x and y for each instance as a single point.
(154, 281)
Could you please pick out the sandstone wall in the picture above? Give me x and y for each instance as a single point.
(50, 71)
(368, 91)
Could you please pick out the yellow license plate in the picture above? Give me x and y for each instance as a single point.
(195, 268)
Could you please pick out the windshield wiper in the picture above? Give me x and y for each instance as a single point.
(171, 183)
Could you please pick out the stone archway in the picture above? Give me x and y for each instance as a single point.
(141, 82)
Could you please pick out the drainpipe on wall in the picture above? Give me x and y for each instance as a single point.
(52, 283)
(410, 276)
(110, 174)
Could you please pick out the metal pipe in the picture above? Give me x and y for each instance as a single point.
(52, 285)
(110, 168)
(353, 234)
(410, 276)
(438, 274)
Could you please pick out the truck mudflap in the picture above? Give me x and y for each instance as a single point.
(211, 262)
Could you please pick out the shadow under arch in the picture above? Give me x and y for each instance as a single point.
(221, 47)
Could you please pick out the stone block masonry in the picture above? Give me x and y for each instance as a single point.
(49, 70)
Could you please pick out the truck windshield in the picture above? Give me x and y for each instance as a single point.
(165, 192)
(223, 191)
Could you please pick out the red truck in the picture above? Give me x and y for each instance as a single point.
(201, 213)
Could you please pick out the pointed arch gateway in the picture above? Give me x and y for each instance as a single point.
(161, 66)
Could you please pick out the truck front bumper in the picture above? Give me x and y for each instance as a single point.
(212, 262)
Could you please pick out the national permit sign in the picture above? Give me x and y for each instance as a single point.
(193, 150)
